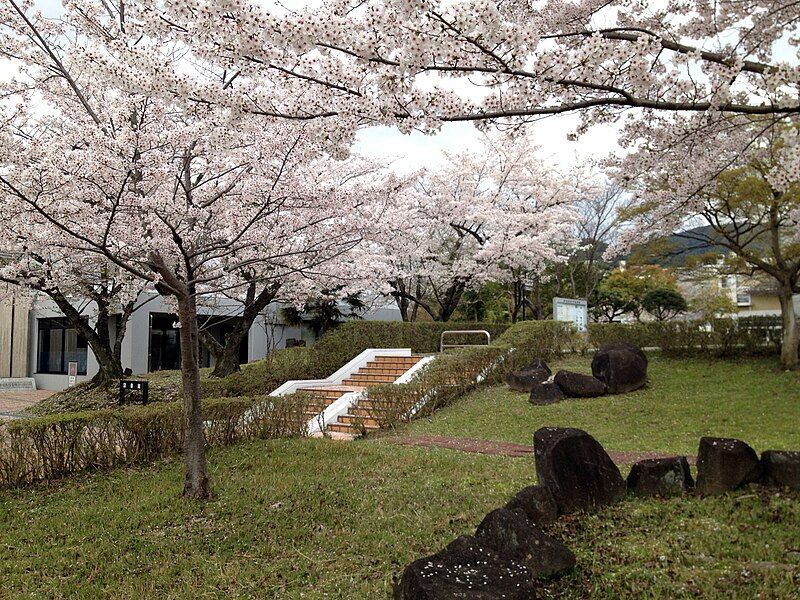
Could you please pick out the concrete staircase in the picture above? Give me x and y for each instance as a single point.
(359, 419)
(379, 371)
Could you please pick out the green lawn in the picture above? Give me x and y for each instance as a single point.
(324, 519)
(685, 399)
(298, 518)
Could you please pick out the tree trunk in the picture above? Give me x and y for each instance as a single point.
(110, 366)
(98, 337)
(790, 334)
(226, 362)
(403, 305)
(415, 309)
(516, 293)
(450, 301)
(196, 483)
(226, 354)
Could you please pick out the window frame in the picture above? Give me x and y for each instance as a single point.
(62, 324)
(740, 299)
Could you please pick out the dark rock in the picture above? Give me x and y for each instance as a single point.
(660, 477)
(576, 469)
(576, 385)
(622, 367)
(528, 376)
(538, 364)
(512, 535)
(782, 468)
(725, 464)
(546, 393)
(537, 503)
(624, 346)
(465, 570)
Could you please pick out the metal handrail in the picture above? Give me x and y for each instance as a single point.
(442, 345)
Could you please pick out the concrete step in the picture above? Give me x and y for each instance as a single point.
(346, 428)
(366, 411)
(393, 372)
(349, 419)
(394, 362)
(368, 375)
(370, 379)
(331, 389)
(374, 404)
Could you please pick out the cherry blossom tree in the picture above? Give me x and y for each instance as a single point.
(190, 199)
(341, 205)
(96, 297)
(493, 215)
(397, 60)
(693, 80)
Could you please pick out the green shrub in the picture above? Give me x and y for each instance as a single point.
(344, 343)
(747, 336)
(54, 446)
(335, 349)
(263, 376)
(332, 351)
(537, 339)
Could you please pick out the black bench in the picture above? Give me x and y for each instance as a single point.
(129, 385)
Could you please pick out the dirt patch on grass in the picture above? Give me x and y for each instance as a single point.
(509, 448)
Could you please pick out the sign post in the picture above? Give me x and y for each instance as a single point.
(72, 373)
(571, 310)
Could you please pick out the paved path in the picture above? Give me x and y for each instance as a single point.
(14, 403)
(508, 448)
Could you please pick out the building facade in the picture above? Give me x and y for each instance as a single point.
(37, 341)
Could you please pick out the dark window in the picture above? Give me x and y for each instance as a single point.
(165, 349)
(165, 344)
(59, 345)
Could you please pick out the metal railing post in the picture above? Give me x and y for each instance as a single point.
(442, 345)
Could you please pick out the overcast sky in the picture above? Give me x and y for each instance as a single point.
(417, 150)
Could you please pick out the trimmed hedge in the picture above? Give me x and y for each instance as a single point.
(439, 384)
(537, 339)
(746, 336)
(265, 375)
(55, 446)
(348, 340)
(335, 349)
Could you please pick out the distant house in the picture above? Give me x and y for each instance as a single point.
(751, 296)
(700, 269)
(37, 341)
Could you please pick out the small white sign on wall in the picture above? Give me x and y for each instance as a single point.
(72, 373)
(571, 310)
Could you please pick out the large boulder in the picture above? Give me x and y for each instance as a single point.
(577, 385)
(538, 504)
(782, 468)
(621, 366)
(545, 393)
(465, 570)
(725, 464)
(529, 375)
(662, 477)
(576, 469)
(511, 534)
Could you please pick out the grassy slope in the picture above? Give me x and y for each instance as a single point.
(316, 518)
(684, 400)
(291, 517)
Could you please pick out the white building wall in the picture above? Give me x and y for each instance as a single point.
(266, 334)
